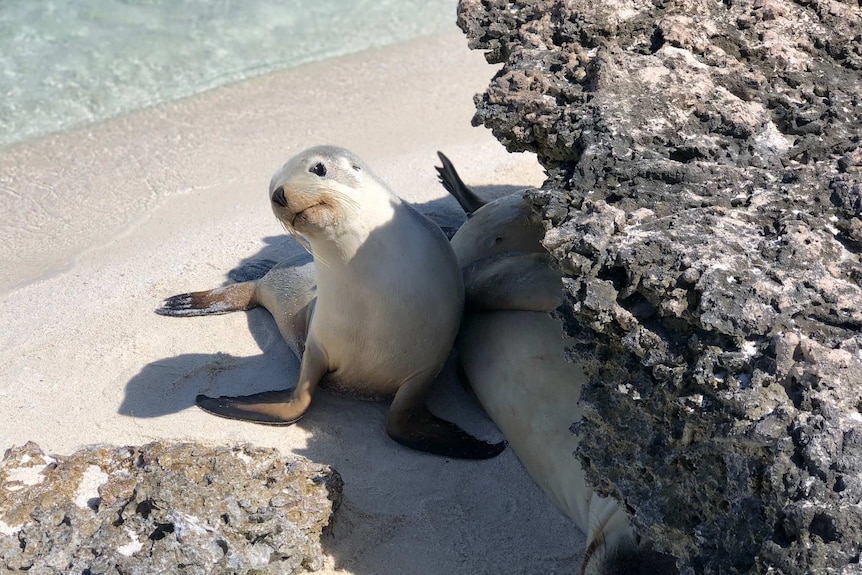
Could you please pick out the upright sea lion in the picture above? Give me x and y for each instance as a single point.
(376, 316)
(512, 351)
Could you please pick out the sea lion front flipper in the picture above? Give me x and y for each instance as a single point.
(453, 183)
(273, 407)
(268, 408)
(523, 282)
(233, 297)
(410, 423)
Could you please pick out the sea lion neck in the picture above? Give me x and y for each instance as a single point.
(379, 221)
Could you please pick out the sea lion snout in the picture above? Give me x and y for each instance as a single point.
(290, 201)
(304, 210)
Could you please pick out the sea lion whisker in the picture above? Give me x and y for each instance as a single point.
(339, 192)
(306, 245)
(342, 197)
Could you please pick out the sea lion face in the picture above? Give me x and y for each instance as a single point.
(318, 190)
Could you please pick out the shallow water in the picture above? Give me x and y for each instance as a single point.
(68, 63)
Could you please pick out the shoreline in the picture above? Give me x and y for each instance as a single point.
(60, 164)
(125, 58)
(171, 198)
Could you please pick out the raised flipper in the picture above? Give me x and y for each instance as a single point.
(273, 407)
(410, 423)
(234, 297)
(524, 282)
(450, 179)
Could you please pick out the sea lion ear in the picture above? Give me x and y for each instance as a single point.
(356, 168)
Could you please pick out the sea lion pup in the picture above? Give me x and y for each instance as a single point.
(377, 315)
(512, 352)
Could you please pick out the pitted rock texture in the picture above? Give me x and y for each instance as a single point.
(163, 508)
(705, 200)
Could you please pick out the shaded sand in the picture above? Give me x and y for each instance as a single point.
(99, 225)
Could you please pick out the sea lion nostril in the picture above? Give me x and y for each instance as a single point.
(278, 197)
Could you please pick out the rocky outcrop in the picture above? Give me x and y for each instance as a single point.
(705, 200)
(163, 508)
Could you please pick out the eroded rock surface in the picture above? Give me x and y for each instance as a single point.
(704, 197)
(163, 508)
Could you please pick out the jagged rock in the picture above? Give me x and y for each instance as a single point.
(705, 200)
(163, 508)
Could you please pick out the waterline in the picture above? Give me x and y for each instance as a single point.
(69, 63)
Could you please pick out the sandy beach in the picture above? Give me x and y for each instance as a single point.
(102, 223)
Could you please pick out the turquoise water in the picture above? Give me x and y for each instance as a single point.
(68, 63)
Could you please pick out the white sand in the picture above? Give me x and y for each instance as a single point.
(100, 224)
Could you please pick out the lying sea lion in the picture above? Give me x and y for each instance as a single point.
(512, 352)
(376, 313)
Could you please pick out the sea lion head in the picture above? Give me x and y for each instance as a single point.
(323, 191)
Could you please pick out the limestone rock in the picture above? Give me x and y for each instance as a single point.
(163, 508)
(705, 200)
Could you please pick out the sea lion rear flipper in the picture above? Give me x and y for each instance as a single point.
(450, 179)
(234, 297)
(268, 408)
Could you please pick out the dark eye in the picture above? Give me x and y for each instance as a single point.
(318, 169)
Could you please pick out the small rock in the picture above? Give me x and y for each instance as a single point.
(163, 508)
